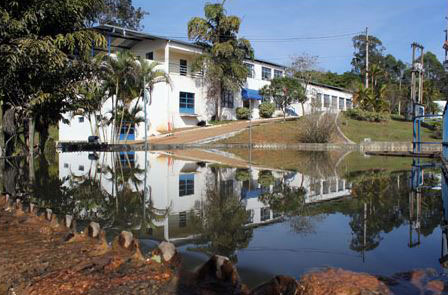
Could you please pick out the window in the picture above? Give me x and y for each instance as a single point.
(340, 185)
(81, 168)
(251, 214)
(333, 185)
(278, 74)
(334, 102)
(186, 185)
(341, 103)
(65, 165)
(183, 67)
(227, 99)
(182, 219)
(266, 73)
(319, 100)
(265, 214)
(81, 119)
(349, 104)
(325, 187)
(150, 55)
(226, 188)
(251, 71)
(315, 187)
(186, 102)
(326, 101)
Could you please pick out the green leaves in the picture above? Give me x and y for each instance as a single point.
(224, 53)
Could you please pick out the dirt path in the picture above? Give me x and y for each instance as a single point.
(38, 256)
(203, 133)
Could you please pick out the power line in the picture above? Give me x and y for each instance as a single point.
(285, 39)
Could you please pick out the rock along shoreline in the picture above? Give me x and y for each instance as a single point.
(42, 253)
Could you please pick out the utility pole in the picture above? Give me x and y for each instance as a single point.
(367, 57)
(445, 46)
(417, 74)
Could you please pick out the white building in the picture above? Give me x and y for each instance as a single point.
(185, 102)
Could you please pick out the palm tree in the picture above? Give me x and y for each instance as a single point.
(147, 76)
(119, 76)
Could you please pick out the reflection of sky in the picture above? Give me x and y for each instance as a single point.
(276, 248)
(286, 252)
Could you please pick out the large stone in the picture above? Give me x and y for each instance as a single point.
(168, 250)
(280, 285)
(125, 239)
(340, 282)
(93, 230)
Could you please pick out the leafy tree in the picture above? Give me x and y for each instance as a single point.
(224, 53)
(346, 80)
(394, 68)
(120, 13)
(223, 238)
(38, 40)
(371, 99)
(376, 51)
(284, 91)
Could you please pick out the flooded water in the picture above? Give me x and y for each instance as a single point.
(375, 215)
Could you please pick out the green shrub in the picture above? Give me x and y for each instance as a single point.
(242, 113)
(317, 128)
(265, 178)
(267, 109)
(397, 117)
(360, 115)
(242, 174)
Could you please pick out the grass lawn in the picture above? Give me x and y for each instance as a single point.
(275, 132)
(387, 131)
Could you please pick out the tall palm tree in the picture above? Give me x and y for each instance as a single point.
(119, 77)
(147, 76)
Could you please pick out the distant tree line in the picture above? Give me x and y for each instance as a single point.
(389, 78)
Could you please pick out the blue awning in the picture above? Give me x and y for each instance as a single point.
(251, 94)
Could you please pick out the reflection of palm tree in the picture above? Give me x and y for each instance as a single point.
(219, 237)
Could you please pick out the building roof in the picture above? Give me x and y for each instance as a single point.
(331, 87)
(126, 39)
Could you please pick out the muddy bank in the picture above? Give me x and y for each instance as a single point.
(41, 253)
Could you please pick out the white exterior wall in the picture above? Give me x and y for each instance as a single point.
(163, 113)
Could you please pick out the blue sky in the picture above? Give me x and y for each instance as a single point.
(397, 23)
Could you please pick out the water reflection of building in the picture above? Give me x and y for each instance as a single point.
(179, 187)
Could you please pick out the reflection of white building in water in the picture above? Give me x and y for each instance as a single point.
(181, 186)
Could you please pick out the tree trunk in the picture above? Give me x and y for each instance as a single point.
(2, 135)
(43, 137)
(303, 109)
(218, 105)
(31, 126)
(284, 113)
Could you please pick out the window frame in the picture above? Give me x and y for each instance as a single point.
(186, 185)
(327, 101)
(186, 107)
(348, 104)
(251, 70)
(318, 100)
(183, 67)
(278, 73)
(149, 54)
(227, 99)
(264, 76)
(341, 100)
